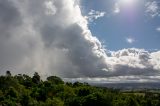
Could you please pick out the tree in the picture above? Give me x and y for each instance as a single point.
(55, 80)
(84, 91)
(131, 101)
(77, 84)
(54, 102)
(24, 80)
(69, 84)
(36, 78)
(73, 101)
(25, 100)
(7, 82)
(23, 90)
(97, 99)
(12, 92)
(8, 73)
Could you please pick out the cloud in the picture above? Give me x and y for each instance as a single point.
(50, 7)
(94, 15)
(134, 62)
(158, 29)
(117, 79)
(116, 8)
(152, 9)
(50, 37)
(130, 40)
(54, 39)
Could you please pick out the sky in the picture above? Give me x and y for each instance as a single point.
(129, 23)
(94, 41)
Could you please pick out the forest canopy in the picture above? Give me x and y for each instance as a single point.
(23, 90)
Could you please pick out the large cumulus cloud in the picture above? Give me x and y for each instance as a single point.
(48, 36)
(134, 61)
(52, 38)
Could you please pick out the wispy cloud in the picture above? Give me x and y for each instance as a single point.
(116, 8)
(130, 40)
(152, 9)
(158, 29)
(94, 15)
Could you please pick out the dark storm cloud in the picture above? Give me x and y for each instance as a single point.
(10, 18)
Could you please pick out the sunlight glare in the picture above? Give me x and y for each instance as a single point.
(127, 2)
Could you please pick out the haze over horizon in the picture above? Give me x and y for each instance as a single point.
(98, 41)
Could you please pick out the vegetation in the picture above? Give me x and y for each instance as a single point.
(23, 90)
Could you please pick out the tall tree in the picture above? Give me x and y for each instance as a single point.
(36, 78)
(8, 73)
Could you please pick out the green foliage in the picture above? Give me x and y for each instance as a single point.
(12, 92)
(54, 102)
(84, 91)
(25, 100)
(23, 90)
(73, 101)
(55, 80)
(36, 78)
(7, 82)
